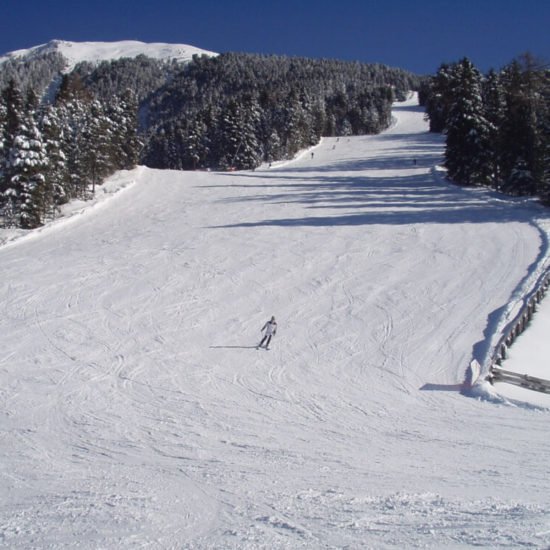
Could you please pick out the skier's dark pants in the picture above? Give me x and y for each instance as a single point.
(266, 337)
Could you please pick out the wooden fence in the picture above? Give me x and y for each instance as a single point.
(524, 380)
(516, 327)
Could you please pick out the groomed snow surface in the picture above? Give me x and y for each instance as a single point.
(137, 413)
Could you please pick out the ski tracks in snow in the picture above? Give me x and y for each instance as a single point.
(136, 411)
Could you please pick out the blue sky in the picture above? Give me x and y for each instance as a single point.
(416, 34)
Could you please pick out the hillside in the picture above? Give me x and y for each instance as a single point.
(42, 68)
(136, 410)
(94, 52)
(64, 133)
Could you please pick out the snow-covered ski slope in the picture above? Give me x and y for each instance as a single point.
(136, 413)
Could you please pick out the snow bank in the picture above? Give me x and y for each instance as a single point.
(69, 212)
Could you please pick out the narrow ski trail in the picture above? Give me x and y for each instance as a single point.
(136, 411)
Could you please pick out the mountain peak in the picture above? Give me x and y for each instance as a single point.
(95, 52)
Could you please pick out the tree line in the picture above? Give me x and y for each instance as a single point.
(238, 110)
(61, 136)
(52, 153)
(497, 126)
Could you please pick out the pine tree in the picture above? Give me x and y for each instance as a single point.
(494, 111)
(272, 147)
(13, 121)
(125, 143)
(97, 161)
(523, 130)
(57, 175)
(438, 97)
(545, 133)
(3, 140)
(28, 163)
(196, 145)
(293, 125)
(72, 114)
(237, 135)
(527, 129)
(467, 150)
(249, 156)
(536, 80)
(521, 180)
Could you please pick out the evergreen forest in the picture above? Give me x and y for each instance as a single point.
(61, 136)
(235, 111)
(497, 126)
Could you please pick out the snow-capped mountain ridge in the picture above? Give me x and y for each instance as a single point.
(95, 52)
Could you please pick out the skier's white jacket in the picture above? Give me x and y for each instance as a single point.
(270, 328)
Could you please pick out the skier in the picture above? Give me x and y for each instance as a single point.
(270, 330)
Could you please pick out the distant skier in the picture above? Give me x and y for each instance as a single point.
(270, 330)
(312, 154)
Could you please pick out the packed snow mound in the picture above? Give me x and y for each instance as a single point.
(95, 52)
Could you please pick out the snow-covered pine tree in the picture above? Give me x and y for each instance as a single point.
(3, 115)
(28, 163)
(494, 110)
(293, 125)
(520, 181)
(250, 153)
(57, 174)
(99, 145)
(228, 139)
(318, 120)
(13, 120)
(196, 145)
(545, 131)
(437, 97)
(467, 150)
(523, 130)
(125, 143)
(272, 147)
(72, 103)
(237, 135)
(536, 77)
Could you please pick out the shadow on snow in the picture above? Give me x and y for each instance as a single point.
(365, 200)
